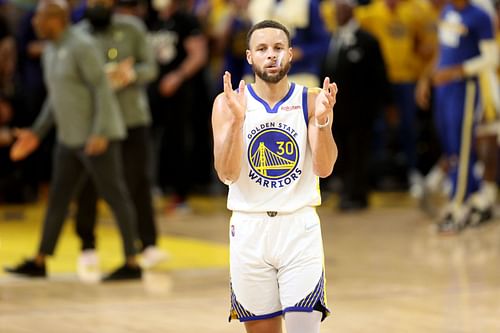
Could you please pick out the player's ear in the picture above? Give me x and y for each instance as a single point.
(249, 57)
(290, 54)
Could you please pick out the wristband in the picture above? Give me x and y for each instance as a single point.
(322, 125)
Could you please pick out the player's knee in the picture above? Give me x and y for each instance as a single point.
(271, 325)
(302, 322)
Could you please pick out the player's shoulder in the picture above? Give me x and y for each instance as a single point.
(219, 101)
(219, 96)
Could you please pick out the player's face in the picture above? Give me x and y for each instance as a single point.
(269, 54)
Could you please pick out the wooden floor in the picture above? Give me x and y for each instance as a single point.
(387, 272)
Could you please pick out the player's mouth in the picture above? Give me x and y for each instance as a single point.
(272, 67)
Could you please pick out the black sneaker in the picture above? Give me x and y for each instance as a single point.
(124, 272)
(28, 268)
(448, 226)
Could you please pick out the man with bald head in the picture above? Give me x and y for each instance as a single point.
(89, 126)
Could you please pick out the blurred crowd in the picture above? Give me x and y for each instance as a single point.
(380, 53)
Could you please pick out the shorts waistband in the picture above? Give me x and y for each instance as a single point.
(272, 213)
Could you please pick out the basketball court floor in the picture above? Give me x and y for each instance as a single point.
(387, 272)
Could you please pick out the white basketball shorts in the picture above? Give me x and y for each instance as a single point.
(276, 263)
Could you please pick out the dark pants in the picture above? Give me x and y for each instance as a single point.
(71, 167)
(173, 138)
(136, 157)
(352, 167)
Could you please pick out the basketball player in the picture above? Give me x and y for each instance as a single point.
(468, 53)
(272, 140)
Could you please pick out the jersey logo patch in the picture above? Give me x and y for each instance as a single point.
(273, 155)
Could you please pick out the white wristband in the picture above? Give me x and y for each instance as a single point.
(322, 125)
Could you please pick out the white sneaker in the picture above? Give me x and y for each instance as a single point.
(416, 182)
(152, 256)
(88, 267)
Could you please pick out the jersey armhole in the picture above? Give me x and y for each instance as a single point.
(305, 108)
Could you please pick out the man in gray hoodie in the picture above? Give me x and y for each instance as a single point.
(82, 106)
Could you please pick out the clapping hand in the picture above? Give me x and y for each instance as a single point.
(325, 101)
(236, 101)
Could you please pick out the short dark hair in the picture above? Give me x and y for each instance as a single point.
(268, 24)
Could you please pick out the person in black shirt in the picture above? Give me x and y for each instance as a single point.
(355, 61)
(181, 51)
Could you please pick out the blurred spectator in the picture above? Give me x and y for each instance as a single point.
(37, 167)
(18, 181)
(132, 7)
(89, 129)
(30, 49)
(487, 132)
(7, 66)
(201, 80)
(130, 65)
(481, 203)
(400, 27)
(468, 51)
(355, 62)
(231, 40)
(181, 52)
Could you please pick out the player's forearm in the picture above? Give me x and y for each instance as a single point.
(324, 149)
(229, 152)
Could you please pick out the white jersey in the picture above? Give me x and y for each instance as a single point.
(277, 171)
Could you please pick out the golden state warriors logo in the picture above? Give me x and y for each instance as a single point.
(273, 155)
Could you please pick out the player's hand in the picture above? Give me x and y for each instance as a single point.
(96, 145)
(235, 100)
(26, 142)
(325, 101)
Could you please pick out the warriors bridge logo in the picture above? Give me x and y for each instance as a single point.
(273, 155)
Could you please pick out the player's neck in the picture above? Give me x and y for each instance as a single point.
(272, 93)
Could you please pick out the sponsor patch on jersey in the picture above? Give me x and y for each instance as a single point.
(291, 107)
